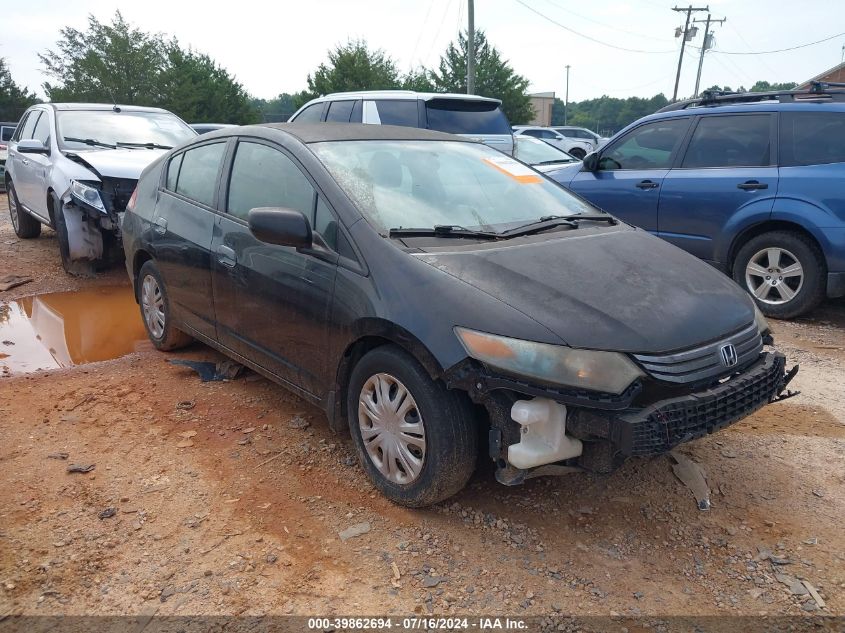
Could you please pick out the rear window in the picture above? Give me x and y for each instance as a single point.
(7, 132)
(458, 116)
(812, 138)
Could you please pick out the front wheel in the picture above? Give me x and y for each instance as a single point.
(156, 312)
(783, 271)
(578, 153)
(26, 227)
(416, 439)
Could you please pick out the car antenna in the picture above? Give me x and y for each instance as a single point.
(115, 107)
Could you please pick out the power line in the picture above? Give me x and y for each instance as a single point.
(422, 28)
(781, 50)
(587, 37)
(604, 24)
(439, 28)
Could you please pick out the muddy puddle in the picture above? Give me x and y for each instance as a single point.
(64, 329)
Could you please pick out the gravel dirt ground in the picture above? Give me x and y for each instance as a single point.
(233, 497)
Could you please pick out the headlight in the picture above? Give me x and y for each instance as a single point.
(609, 372)
(760, 320)
(87, 194)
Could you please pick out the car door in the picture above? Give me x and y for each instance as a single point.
(183, 224)
(23, 171)
(630, 171)
(36, 169)
(272, 302)
(728, 172)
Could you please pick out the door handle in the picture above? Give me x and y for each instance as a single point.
(647, 184)
(752, 185)
(226, 256)
(160, 225)
(24, 161)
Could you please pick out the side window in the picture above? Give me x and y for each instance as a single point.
(649, 146)
(392, 112)
(548, 134)
(730, 141)
(311, 114)
(28, 125)
(42, 129)
(534, 133)
(812, 138)
(325, 223)
(265, 177)
(339, 111)
(356, 112)
(199, 172)
(173, 172)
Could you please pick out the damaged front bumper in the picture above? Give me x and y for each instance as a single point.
(608, 428)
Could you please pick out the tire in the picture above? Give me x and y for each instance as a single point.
(578, 153)
(26, 227)
(76, 267)
(155, 310)
(444, 420)
(778, 295)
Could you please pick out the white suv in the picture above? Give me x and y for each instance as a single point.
(577, 147)
(74, 167)
(479, 118)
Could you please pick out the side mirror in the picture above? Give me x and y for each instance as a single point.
(32, 146)
(284, 227)
(591, 161)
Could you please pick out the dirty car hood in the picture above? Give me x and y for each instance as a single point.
(118, 163)
(614, 289)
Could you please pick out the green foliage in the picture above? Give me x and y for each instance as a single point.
(493, 77)
(353, 66)
(419, 80)
(607, 115)
(14, 99)
(765, 86)
(119, 63)
(277, 109)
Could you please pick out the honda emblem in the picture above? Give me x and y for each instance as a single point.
(729, 355)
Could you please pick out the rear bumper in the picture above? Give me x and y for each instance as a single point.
(665, 424)
(835, 285)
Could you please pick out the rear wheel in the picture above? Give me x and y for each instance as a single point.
(416, 439)
(783, 271)
(26, 227)
(155, 310)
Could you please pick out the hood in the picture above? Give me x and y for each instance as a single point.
(118, 163)
(617, 289)
(551, 169)
(565, 173)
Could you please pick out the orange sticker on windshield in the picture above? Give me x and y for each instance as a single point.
(516, 170)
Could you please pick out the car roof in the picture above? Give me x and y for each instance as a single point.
(738, 108)
(403, 94)
(102, 106)
(320, 132)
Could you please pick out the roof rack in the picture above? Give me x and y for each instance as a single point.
(819, 90)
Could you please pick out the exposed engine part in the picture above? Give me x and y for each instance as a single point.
(544, 439)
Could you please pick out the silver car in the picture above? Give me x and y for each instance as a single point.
(74, 167)
(479, 118)
(576, 147)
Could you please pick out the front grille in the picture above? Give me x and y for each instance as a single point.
(664, 425)
(703, 362)
(116, 192)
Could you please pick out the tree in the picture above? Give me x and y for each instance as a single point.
(493, 77)
(765, 86)
(197, 89)
(118, 63)
(108, 62)
(419, 80)
(353, 66)
(14, 99)
(607, 115)
(277, 109)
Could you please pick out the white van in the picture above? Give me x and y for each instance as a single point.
(478, 118)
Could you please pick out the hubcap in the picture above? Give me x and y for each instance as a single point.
(392, 428)
(152, 305)
(774, 275)
(13, 208)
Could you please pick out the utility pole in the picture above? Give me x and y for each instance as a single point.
(705, 45)
(471, 48)
(566, 98)
(686, 35)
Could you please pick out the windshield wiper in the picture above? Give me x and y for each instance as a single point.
(89, 141)
(556, 161)
(443, 230)
(551, 221)
(146, 145)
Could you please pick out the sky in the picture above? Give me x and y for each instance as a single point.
(271, 47)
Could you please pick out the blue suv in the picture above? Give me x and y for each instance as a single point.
(751, 183)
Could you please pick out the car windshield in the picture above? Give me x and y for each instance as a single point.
(535, 152)
(423, 184)
(465, 116)
(101, 128)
